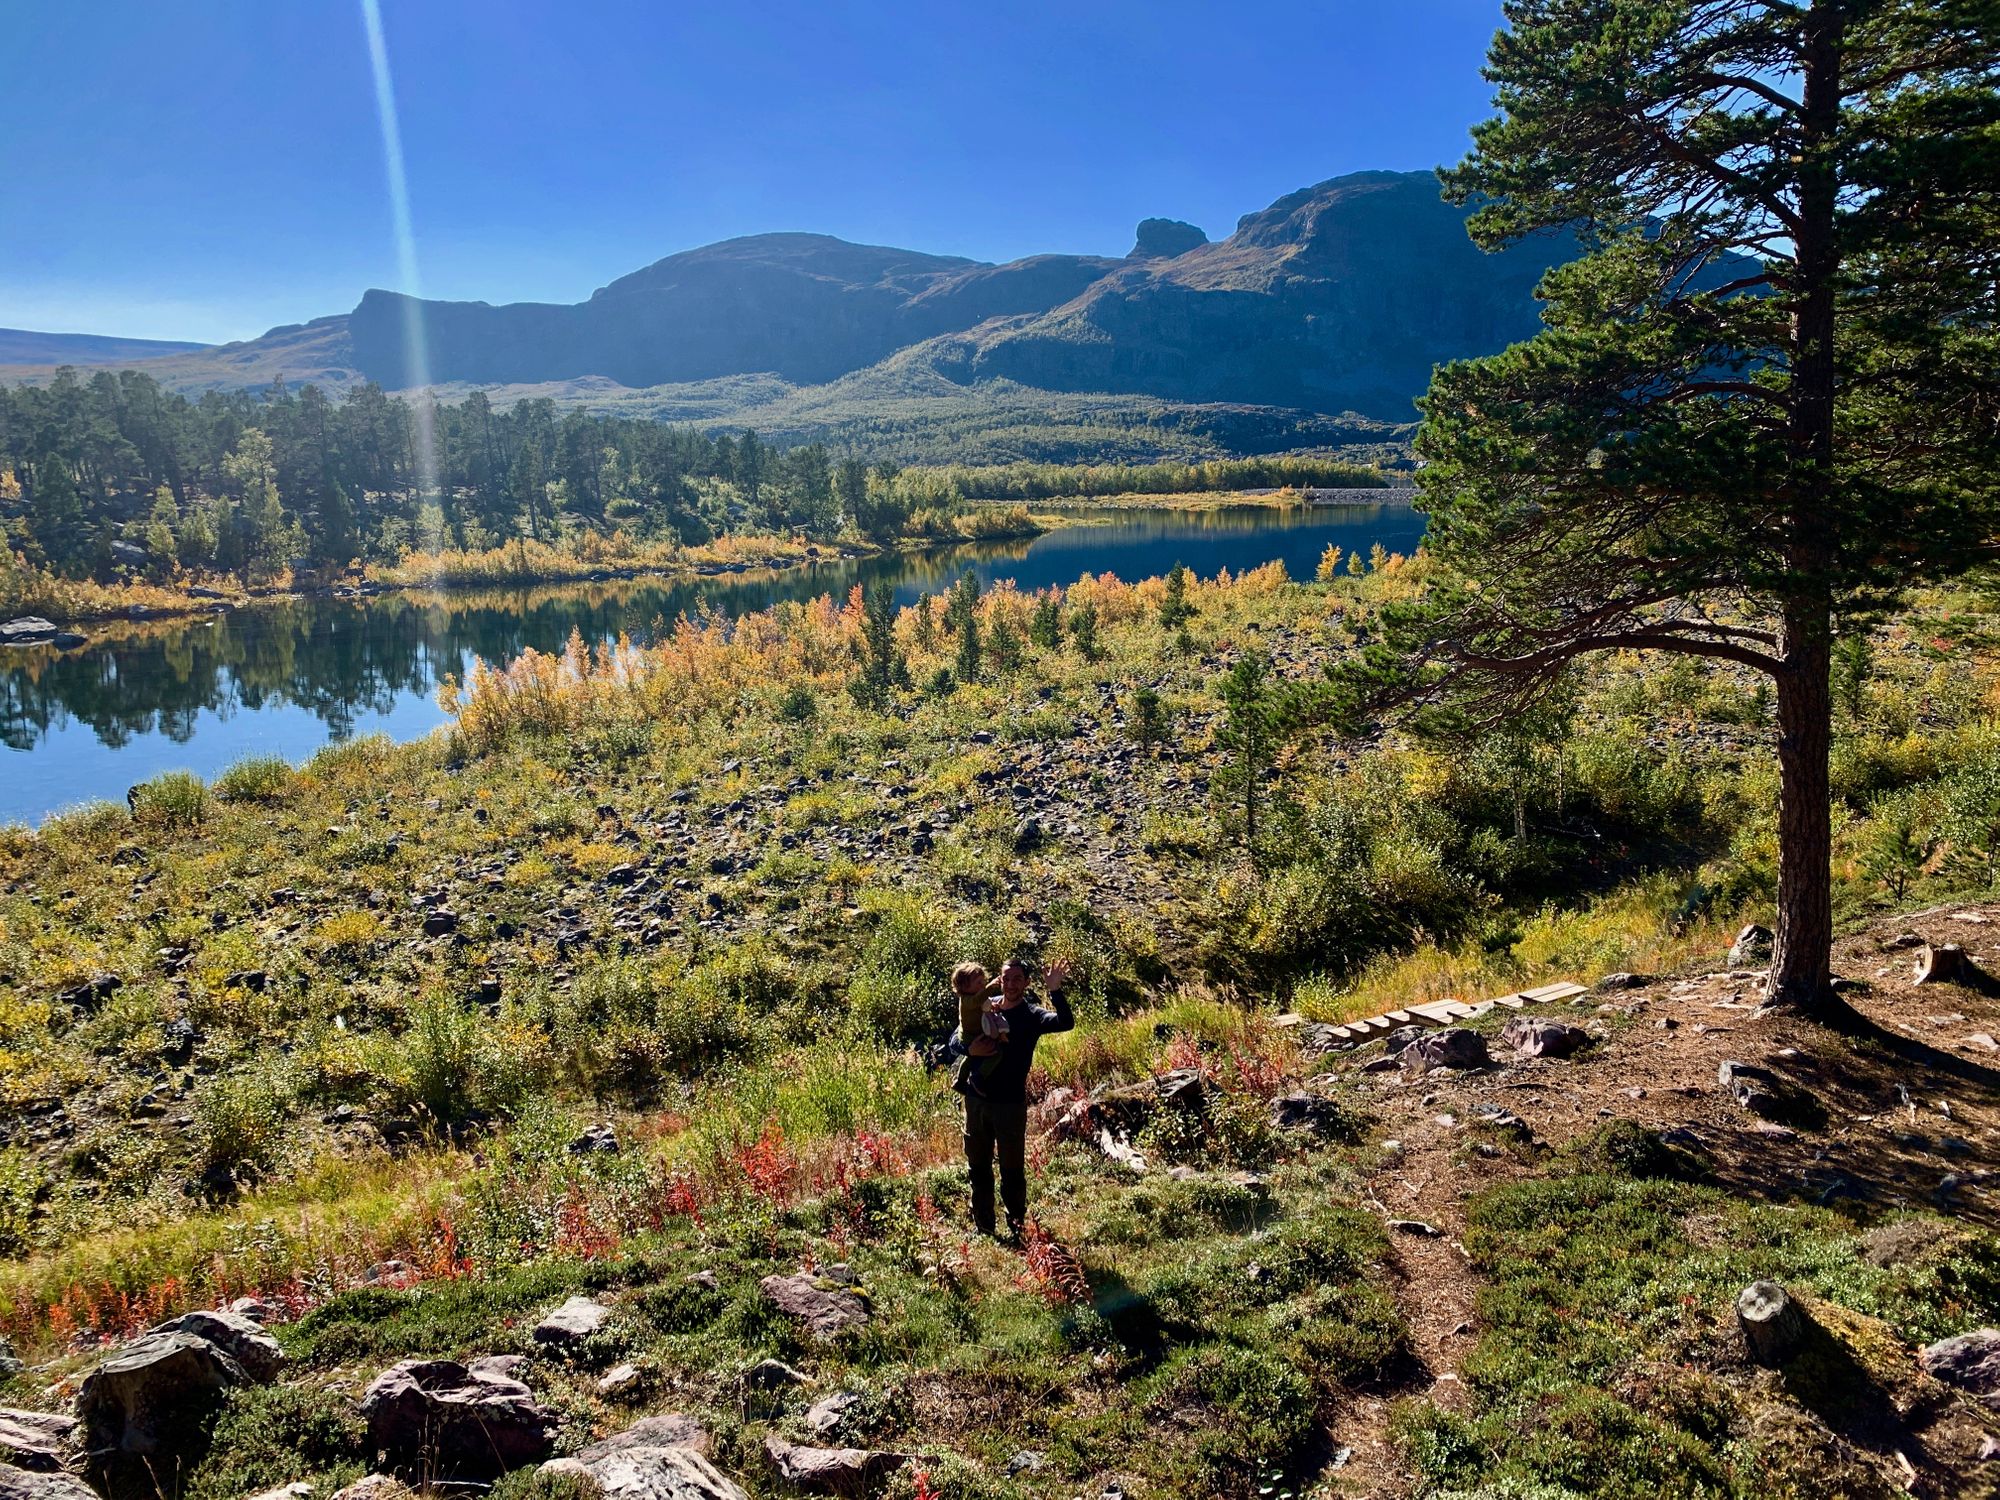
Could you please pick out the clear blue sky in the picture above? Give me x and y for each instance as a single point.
(208, 168)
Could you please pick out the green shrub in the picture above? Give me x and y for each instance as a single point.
(239, 1125)
(21, 1187)
(265, 1436)
(262, 778)
(454, 1065)
(1229, 1413)
(175, 801)
(538, 1483)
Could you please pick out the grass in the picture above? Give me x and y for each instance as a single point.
(1605, 1295)
(702, 893)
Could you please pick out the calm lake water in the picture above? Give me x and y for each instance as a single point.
(286, 678)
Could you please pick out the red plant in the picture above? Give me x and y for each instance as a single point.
(768, 1167)
(1052, 1270)
(923, 1490)
(578, 1230)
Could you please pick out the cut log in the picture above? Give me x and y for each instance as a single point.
(1942, 963)
(1774, 1326)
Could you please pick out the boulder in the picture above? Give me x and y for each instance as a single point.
(298, 1489)
(1322, 1116)
(1764, 1093)
(373, 1487)
(35, 1440)
(140, 1399)
(28, 1484)
(830, 1471)
(826, 1308)
(10, 1362)
(1622, 981)
(239, 1336)
(27, 630)
(772, 1375)
(572, 1323)
(1529, 1036)
(660, 1458)
(597, 1138)
(1453, 1047)
(451, 1421)
(1401, 1037)
(1752, 947)
(827, 1414)
(1969, 1361)
(621, 1381)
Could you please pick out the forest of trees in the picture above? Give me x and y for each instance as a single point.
(112, 475)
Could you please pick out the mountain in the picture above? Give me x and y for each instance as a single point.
(1336, 300)
(19, 346)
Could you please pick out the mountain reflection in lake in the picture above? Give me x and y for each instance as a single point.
(286, 678)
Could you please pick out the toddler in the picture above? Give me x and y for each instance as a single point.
(981, 1023)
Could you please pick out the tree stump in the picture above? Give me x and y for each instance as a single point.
(1773, 1324)
(1942, 963)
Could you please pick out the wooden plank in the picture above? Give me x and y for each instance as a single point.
(1399, 1017)
(1545, 993)
(1458, 1010)
(1512, 1002)
(1437, 1012)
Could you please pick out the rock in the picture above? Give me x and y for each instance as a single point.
(1401, 1037)
(242, 1339)
(1751, 948)
(255, 1309)
(1622, 981)
(620, 1381)
(1764, 1093)
(1322, 1116)
(1970, 1361)
(1028, 835)
(773, 1375)
(572, 1323)
(659, 1458)
(35, 1440)
(440, 923)
(1532, 1037)
(26, 1484)
(1904, 939)
(93, 992)
(143, 1397)
(830, 1471)
(597, 1138)
(457, 1422)
(1453, 1047)
(10, 1362)
(1123, 1108)
(825, 1415)
(27, 630)
(373, 1487)
(1415, 1226)
(298, 1489)
(1026, 1461)
(1163, 239)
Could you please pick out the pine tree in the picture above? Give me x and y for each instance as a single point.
(962, 615)
(1767, 392)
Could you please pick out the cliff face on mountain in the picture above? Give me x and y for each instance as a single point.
(1338, 298)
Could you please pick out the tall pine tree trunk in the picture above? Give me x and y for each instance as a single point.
(1800, 968)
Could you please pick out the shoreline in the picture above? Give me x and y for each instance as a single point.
(204, 600)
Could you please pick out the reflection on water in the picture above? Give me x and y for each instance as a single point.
(285, 678)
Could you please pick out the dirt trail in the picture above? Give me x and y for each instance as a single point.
(1912, 1122)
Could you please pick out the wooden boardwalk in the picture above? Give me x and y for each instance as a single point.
(1444, 1012)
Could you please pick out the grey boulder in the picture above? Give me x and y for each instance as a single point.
(138, 1399)
(830, 1471)
(236, 1334)
(1970, 1361)
(826, 1308)
(1752, 947)
(454, 1421)
(1453, 1047)
(27, 1484)
(572, 1323)
(35, 1440)
(1531, 1037)
(660, 1458)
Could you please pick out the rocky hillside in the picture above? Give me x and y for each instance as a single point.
(1339, 297)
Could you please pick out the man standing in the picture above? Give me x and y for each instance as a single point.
(996, 1092)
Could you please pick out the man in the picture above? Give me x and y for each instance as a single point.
(996, 1092)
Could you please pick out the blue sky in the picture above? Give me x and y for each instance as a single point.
(205, 169)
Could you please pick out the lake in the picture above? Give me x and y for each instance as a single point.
(286, 677)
